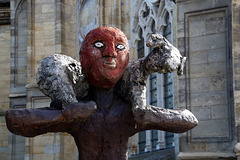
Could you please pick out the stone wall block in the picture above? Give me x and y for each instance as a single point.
(47, 8)
(208, 70)
(202, 113)
(44, 1)
(208, 98)
(213, 129)
(207, 42)
(47, 17)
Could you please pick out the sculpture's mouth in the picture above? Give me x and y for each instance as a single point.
(111, 65)
(110, 62)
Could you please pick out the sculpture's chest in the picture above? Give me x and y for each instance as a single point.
(110, 120)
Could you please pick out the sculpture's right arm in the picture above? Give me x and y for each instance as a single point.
(33, 122)
(171, 120)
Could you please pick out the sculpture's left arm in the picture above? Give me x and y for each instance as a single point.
(177, 121)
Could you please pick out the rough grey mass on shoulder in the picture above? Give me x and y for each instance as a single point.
(60, 77)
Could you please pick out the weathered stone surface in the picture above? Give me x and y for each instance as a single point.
(5, 85)
(213, 129)
(60, 77)
(207, 93)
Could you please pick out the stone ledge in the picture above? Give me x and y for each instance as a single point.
(17, 95)
(205, 155)
(164, 154)
(29, 86)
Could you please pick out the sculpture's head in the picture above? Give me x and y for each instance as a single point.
(104, 56)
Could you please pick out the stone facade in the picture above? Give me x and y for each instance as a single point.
(5, 77)
(205, 31)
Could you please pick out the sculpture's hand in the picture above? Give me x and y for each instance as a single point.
(165, 55)
(79, 111)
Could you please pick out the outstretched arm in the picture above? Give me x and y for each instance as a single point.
(33, 122)
(132, 88)
(176, 121)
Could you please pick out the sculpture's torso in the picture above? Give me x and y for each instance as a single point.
(106, 132)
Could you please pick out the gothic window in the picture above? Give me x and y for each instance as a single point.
(140, 47)
(142, 141)
(20, 52)
(155, 17)
(142, 135)
(153, 96)
(154, 140)
(168, 86)
(153, 101)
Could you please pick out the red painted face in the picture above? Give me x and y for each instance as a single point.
(104, 56)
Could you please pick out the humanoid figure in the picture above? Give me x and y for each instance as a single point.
(111, 108)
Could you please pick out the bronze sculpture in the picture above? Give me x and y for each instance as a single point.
(105, 102)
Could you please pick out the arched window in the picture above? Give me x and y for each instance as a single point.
(168, 84)
(140, 54)
(140, 46)
(155, 17)
(20, 48)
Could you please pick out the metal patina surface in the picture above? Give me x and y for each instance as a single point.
(101, 102)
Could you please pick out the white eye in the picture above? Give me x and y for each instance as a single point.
(120, 46)
(98, 44)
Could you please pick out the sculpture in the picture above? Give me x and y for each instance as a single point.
(105, 105)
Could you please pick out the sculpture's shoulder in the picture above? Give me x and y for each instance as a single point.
(132, 86)
(60, 77)
(134, 72)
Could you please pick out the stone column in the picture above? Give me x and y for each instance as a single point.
(236, 69)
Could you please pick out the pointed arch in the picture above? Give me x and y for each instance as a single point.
(20, 44)
(164, 10)
(151, 16)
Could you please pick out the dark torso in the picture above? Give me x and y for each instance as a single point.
(104, 135)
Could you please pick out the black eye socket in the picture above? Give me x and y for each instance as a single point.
(98, 44)
(120, 47)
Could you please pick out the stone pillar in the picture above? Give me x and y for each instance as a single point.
(236, 69)
(148, 141)
(18, 76)
(5, 74)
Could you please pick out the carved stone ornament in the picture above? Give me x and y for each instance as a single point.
(101, 102)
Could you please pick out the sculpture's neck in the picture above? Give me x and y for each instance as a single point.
(103, 97)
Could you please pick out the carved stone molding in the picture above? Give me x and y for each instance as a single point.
(205, 155)
(19, 41)
(82, 7)
(151, 17)
(204, 102)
